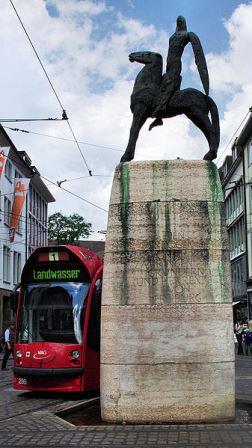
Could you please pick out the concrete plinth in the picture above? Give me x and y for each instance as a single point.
(167, 351)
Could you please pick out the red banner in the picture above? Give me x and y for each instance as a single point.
(20, 189)
(4, 151)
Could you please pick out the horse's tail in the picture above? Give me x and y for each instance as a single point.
(215, 122)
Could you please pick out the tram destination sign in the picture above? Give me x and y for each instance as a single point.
(56, 274)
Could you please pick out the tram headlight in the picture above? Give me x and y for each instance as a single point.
(19, 354)
(75, 354)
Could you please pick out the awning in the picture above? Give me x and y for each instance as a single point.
(235, 303)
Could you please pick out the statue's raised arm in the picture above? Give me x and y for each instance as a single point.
(200, 60)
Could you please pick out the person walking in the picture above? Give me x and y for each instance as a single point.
(9, 336)
(239, 338)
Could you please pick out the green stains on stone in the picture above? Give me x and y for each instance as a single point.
(214, 181)
(124, 211)
(223, 283)
(168, 235)
(151, 256)
(168, 232)
(124, 196)
(215, 233)
(159, 235)
(209, 238)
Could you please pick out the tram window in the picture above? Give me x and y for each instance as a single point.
(53, 316)
(52, 313)
(93, 335)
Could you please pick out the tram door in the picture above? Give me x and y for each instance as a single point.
(92, 352)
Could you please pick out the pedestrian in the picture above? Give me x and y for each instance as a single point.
(246, 339)
(248, 342)
(9, 335)
(239, 338)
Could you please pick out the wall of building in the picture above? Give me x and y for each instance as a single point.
(12, 255)
(32, 228)
(248, 184)
(234, 194)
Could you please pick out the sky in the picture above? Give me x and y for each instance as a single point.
(84, 46)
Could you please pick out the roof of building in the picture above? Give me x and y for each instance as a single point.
(245, 133)
(23, 162)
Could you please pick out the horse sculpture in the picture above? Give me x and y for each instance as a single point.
(191, 102)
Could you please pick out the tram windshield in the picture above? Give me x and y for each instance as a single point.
(52, 312)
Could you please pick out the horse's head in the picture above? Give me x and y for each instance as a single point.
(145, 57)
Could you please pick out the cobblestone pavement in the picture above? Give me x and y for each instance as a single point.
(29, 420)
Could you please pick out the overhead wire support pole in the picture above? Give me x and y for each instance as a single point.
(64, 114)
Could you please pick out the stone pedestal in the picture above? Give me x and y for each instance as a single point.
(167, 351)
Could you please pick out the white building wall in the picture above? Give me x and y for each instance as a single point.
(6, 191)
(235, 177)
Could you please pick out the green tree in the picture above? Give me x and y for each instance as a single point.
(67, 229)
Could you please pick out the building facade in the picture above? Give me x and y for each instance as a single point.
(236, 176)
(32, 225)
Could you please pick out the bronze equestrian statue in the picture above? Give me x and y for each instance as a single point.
(159, 96)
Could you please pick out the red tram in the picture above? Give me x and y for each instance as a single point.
(58, 321)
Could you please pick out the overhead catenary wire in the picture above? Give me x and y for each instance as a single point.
(68, 191)
(59, 182)
(15, 120)
(70, 140)
(64, 114)
(75, 195)
(25, 131)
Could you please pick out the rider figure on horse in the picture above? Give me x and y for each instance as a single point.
(172, 78)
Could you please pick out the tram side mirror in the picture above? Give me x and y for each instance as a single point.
(98, 285)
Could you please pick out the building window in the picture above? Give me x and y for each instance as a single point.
(16, 267)
(7, 211)
(234, 203)
(250, 197)
(237, 238)
(234, 153)
(249, 153)
(6, 264)
(8, 170)
(30, 199)
(17, 175)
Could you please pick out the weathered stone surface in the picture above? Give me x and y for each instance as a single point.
(156, 334)
(166, 180)
(167, 344)
(189, 392)
(165, 277)
(168, 225)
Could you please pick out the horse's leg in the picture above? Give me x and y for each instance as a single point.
(201, 120)
(156, 122)
(139, 117)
